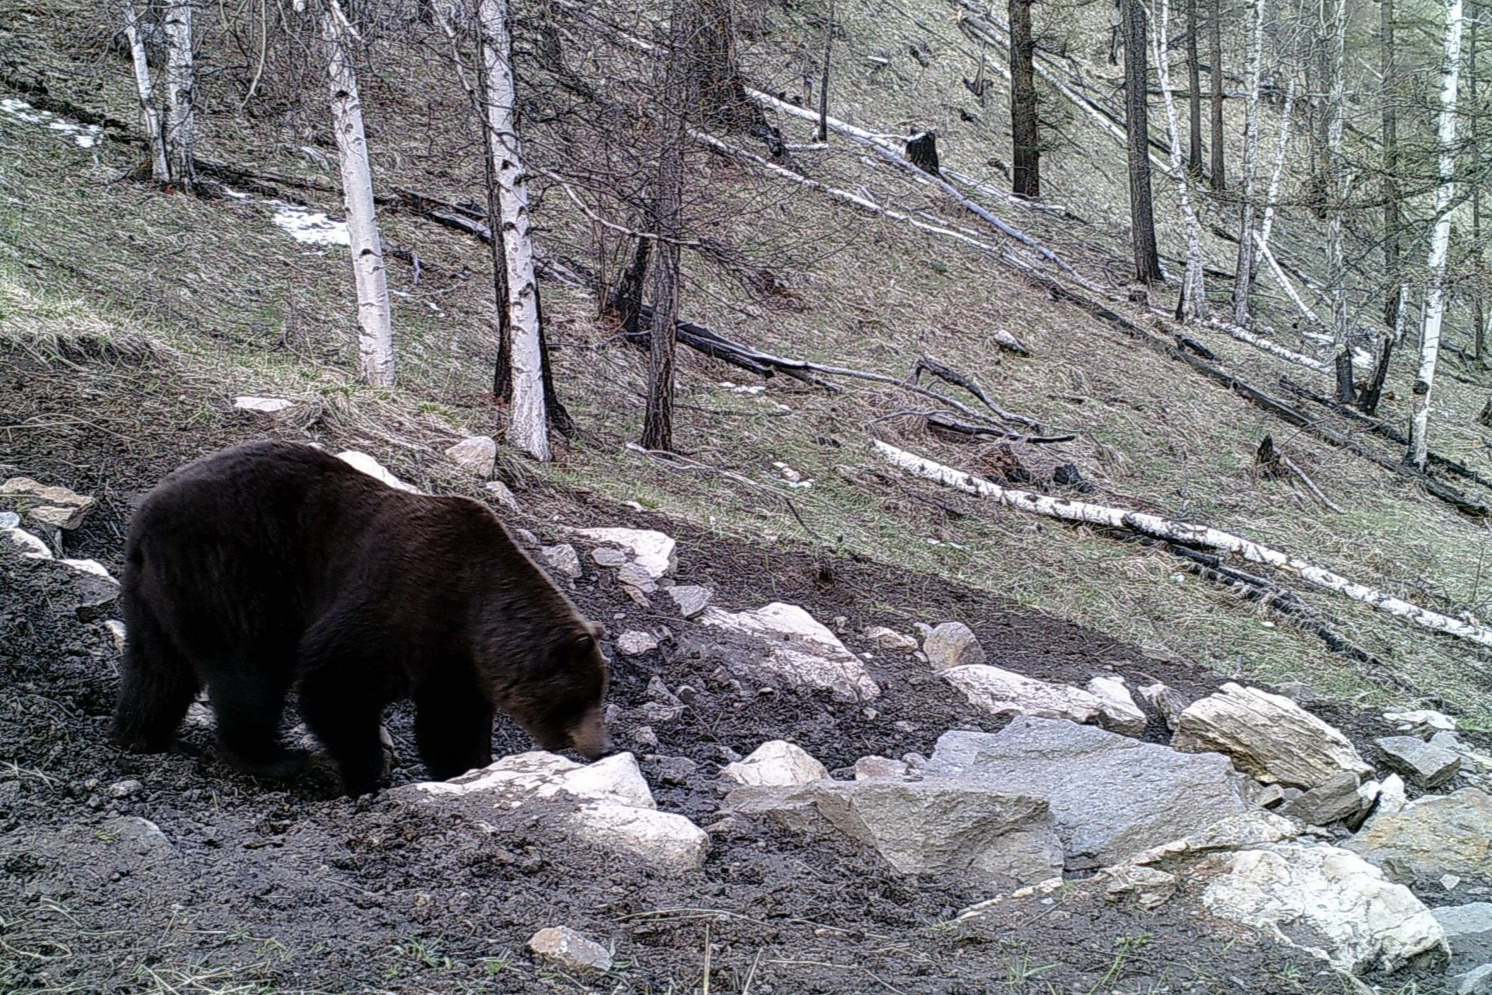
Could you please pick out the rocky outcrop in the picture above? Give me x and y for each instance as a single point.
(1268, 736)
(1430, 837)
(1111, 796)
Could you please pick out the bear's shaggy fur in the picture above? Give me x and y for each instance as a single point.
(275, 565)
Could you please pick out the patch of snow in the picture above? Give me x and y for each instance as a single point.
(309, 227)
(84, 136)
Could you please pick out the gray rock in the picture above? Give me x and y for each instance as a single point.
(949, 828)
(1164, 700)
(1268, 736)
(367, 464)
(1468, 930)
(476, 455)
(25, 544)
(1110, 795)
(1430, 836)
(503, 494)
(1477, 981)
(123, 789)
(1425, 764)
(1004, 692)
(563, 948)
(1341, 799)
(670, 770)
(783, 641)
(562, 559)
(262, 405)
(634, 576)
(870, 767)
(653, 551)
(890, 640)
(690, 599)
(635, 643)
(1422, 722)
(645, 737)
(1117, 711)
(776, 763)
(40, 504)
(9, 520)
(608, 556)
(952, 644)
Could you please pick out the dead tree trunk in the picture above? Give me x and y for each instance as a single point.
(823, 132)
(1336, 265)
(1026, 150)
(150, 114)
(1215, 73)
(1137, 123)
(922, 152)
(1193, 90)
(657, 430)
(1392, 224)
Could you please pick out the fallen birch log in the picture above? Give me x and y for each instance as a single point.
(1183, 533)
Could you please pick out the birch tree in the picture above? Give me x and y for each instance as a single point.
(375, 338)
(1440, 237)
(1336, 268)
(1137, 124)
(1244, 277)
(1193, 287)
(150, 114)
(528, 421)
(181, 120)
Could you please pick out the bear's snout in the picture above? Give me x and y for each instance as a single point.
(589, 736)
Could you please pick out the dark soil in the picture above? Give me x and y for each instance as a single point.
(234, 885)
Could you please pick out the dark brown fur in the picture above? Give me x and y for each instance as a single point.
(274, 565)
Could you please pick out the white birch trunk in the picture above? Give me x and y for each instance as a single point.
(1244, 277)
(1266, 227)
(375, 327)
(1184, 532)
(1193, 282)
(181, 121)
(528, 421)
(150, 114)
(1440, 238)
(1336, 268)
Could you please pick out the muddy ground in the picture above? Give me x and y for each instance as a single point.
(235, 885)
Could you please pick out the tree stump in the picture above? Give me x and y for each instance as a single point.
(922, 150)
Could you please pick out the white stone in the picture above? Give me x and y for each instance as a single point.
(690, 599)
(91, 567)
(116, 630)
(262, 405)
(800, 649)
(9, 520)
(562, 559)
(1426, 764)
(373, 468)
(1268, 736)
(1117, 711)
(1356, 918)
(635, 642)
(634, 575)
(952, 644)
(890, 640)
(562, 947)
(477, 455)
(871, 767)
(1004, 692)
(504, 496)
(1421, 721)
(775, 762)
(1166, 701)
(660, 838)
(653, 551)
(48, 505)
(26, 544)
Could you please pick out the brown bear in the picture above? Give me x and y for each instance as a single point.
(275, 565)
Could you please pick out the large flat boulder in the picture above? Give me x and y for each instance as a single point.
(1430, 837)
(1111, 796)
(1268, 736)
(1326, 900)
(796, 648)
(997, 838)
(1468, 930)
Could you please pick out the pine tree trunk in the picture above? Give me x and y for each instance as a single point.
(528, 420)
(1193, 286)
(374, 321)
(657, 429)
(150, 114)
(1026, 152)
(1391, 220)
(1440, 238)
(1479, 276)
(1244, 277)
(1215, 72)
(823, 133)
(181, 121)
(1194, 90)
(1336, 267)
(1137, 123)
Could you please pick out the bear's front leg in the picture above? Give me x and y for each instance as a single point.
(453, 727)
(346, 722)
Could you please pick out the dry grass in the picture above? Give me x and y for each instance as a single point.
(253, 312)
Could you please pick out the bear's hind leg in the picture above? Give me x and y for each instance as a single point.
(157, 685)
(453, 727)
(248, 704)
(346, 723)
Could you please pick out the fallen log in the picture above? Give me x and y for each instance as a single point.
(1186, 534)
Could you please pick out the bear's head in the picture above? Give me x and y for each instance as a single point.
(561, 702)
